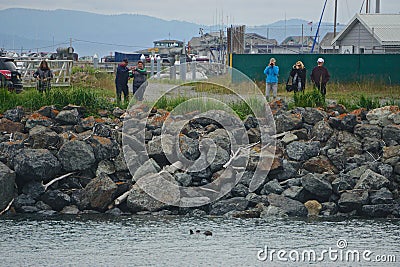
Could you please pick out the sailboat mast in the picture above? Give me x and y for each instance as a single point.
(335, 20)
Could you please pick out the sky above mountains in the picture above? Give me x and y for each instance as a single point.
(211, 12)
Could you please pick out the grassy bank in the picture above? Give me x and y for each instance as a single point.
(31, 99)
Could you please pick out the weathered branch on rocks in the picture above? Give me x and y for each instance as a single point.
(56, 179)
(122, 197)
(372, 156)
(279, 135)
(7, 208)
(237, 153)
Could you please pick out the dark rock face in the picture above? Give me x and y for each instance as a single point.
(7, 180)
(312, 116)
(319, 164)
(317, 185)
(288, 206)
(103, 148)
(68, 117)
(99, 192)
(391, 134)
(370, 180)
(139, 200)
(287, 122)
(76, 156)
(368, 130)
(36, 164)
(45, 138)
(322, 131)
(9, 126)
(224, 206)
(382, 196)
(379, 210)
(353, 200)
(15, 114)
(56, 199)
(302, 151)
(33, 189)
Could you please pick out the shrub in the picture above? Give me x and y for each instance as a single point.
(312, 98)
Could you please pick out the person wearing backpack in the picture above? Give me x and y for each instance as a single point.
(272, 73)
(299, 76)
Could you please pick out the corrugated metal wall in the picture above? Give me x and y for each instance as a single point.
(343, 68)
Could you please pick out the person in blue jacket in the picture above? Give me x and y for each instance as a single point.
(121, 81)
(272, 72)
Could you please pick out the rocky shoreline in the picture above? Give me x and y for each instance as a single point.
(326, 163)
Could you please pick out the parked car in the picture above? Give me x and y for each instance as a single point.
(10, 77)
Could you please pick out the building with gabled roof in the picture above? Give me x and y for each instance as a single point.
(370, 34)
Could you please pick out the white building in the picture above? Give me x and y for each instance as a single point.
(370, 34)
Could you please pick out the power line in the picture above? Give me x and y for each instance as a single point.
(37, 48)
(109, 44)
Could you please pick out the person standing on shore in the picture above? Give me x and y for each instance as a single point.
(272, 73)
(320, 76)
(121, 81)
(139, 74)
(299, 76)
(43, 75)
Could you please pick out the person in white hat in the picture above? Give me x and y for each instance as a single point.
(320, 76)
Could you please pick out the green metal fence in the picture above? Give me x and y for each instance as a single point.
(342, 68)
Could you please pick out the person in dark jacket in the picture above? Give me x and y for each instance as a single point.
(320, 76)
(299, 77)
(43, 76)
(121, 81)
(139, 74)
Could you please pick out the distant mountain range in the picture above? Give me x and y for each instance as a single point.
(44, 30)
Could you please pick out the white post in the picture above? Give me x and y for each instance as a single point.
(158, 66)
(193, 68)
(152, 65)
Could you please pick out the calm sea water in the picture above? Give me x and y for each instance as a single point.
(165, 241)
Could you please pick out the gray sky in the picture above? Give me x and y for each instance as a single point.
(208, 12)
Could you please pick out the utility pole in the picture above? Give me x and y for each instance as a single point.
(334, 25)
(367, 7)
(378, 7)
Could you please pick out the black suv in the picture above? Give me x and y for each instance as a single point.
(10, 78)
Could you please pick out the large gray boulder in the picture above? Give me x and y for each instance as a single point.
(370, 180)
(221, 138)
(313, 115)
(103, 148)
(56, 199)
(139, 200)
(68, 117)
(43, 137)
(36, 164)
(287, 121)
(391, 135)
(353, 200)
(76, 156)
(15, 114)
(285, 206)
(99, 192)
(317, 185)
(368, 130)
(321, 131)
(7, 181)
(233, 204)
(302, 151)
